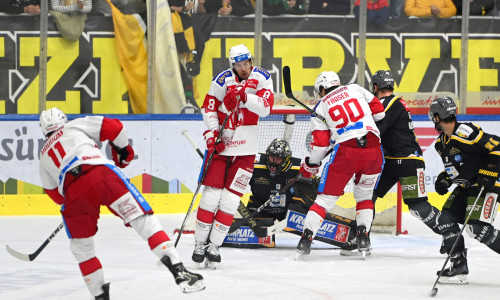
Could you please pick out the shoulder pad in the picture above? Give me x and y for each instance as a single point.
(264, 72)
(220, 78)
(464, 131)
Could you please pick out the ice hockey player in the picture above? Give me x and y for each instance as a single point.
(273, 171)
(242, 93)
(471, 161)
(404, 162)
(349, 114)
(78, 176)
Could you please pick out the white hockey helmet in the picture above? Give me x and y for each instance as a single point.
(238, 53)
(52, 119)
(326, 80)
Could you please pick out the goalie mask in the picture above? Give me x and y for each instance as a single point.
(239, 53)
(51, 120)
(279, 157)
(325, 80)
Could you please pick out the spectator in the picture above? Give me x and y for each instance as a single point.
(430, 8)
(31, 7)
(378, 11)
(477, 7)
(329, 7)
(70, 16)
(396, 6)
(221, 7)
(278, 7)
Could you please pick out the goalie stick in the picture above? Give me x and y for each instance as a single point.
(249, 217)
(434, 290)
(289, 93)
(32, 256)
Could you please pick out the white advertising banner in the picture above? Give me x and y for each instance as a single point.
(162, 151)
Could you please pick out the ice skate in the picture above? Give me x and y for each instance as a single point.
(351, 246)
(213, 257)
(362, 240)
(187, 281)
(304, 246)
(105, 295)
(199, 253)
(457, 271)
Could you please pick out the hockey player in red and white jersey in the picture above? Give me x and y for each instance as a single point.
(349, 114)
(243, 93)
(78, 176)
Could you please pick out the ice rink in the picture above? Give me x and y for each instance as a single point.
(400, 267)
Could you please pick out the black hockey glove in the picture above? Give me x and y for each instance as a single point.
(487, 177)
(443, 182)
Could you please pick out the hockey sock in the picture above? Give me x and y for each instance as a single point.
(486, 234)
(314, 218)
(203, 227)
(364, 214)
(221, 227)
(424, 211)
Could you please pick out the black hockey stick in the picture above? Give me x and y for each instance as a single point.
(434, 290)
(186, 134)
(203, 174)
(249, 217)
(289, 93)
(32, 256)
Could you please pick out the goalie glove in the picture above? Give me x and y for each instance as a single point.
(443, 182)
(212, 144)
(122, 156)
(307, 169)
(487, 177)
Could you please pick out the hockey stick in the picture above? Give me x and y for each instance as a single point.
(289, 93)
(434, 290)
(186, 134)
(32, 256)
(249, 217)
(203, 174)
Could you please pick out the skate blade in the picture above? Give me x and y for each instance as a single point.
(211, 264)
(355, 253)
(299, 255)
(199, 285)
(458, 279)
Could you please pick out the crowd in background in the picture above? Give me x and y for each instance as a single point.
(200, 15)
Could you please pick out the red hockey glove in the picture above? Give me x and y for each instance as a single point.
(234, 96)
(210, 139)
(122, 156)
(307, 169)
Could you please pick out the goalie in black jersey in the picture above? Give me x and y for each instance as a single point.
(471, 159)
(273, 171)
(403, 156)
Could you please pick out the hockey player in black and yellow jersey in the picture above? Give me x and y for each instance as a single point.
(471, 159)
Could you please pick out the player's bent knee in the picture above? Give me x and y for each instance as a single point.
(82, 249)
(210, 199)
(326, 201)
(229, 202)
(481, 232)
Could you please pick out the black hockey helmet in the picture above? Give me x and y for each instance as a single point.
(383, 80)
(444, 107)
(281, 155)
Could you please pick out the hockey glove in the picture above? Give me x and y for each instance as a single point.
(487, 177)
(307, 169)
(122, 156)
(211, 138)
(443, 182)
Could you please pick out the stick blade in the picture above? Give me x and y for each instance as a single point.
(434, 292)
(18, 254)
(287, 81)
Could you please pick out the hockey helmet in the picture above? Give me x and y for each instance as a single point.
(444, 107)
(239, 53)
(51, 120)
(281, 155)
(383, 80)
(326, 80)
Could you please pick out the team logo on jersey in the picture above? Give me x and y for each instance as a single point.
(235, 119)
(464, 131)
(262, 71)
(488, 204)
(262, 180)
(458, 158)
(221, 79)
(454, 150)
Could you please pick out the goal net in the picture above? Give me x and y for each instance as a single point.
(293, 125)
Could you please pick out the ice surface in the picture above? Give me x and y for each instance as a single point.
(400, 267)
